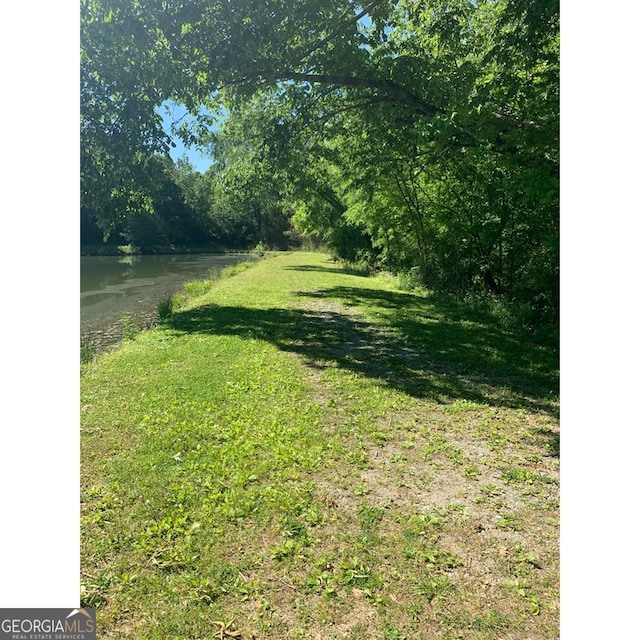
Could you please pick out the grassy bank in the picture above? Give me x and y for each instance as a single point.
(303, 452)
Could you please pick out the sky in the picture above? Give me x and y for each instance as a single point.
(174, 112)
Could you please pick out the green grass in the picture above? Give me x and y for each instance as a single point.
(301, 451)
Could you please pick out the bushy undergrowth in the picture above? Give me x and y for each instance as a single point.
(410, 279)
(538, 319)
(357, 267)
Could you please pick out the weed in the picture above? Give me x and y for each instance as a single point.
(284, 550)
(359, 458)
(519, 474)
(391, 632)
(410, 280)
(434, 587)
(94, 591)
(362, 489)
(168, 542)
(508, 521)
(440, 445)
(356, 574)
(164, 309)
(523, 591)
(491, 490)
(88, 349)
(493, 621)
(526, 476)
(323, 580)
(370, 517)
(178, 301)
(471, 472)
(129, 328)
(203, 590)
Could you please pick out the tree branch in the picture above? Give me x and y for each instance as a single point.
(395, 91)
(339, 31)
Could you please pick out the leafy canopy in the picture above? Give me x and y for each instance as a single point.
(418, 133)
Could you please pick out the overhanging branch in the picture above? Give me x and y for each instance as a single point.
(394, 91)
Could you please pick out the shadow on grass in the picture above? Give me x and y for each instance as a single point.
(552, 440)
(421, 349)
(337, 270)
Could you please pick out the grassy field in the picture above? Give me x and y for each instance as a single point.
(304, 452)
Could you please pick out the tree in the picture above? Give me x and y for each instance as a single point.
(425, 136)
(179, 215)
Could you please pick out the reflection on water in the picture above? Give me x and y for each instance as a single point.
(130, 287)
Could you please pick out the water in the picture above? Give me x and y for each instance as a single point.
(120, 293)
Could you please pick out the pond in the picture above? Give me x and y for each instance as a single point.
(122, 293)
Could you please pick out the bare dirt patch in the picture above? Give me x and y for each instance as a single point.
(488, 474)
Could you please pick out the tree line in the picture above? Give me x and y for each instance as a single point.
(421, 136)
(189, 211)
